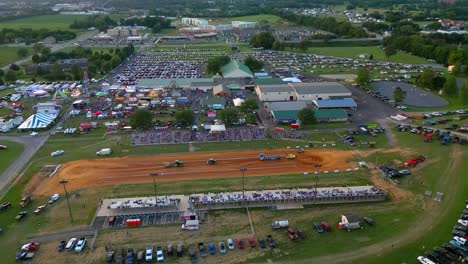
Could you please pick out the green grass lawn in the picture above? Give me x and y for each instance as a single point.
(354, 52)
(8, 55)
(270, 19)
(9, 155)
(51, 22)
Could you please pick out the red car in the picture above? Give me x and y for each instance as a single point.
(292, 234)
(326, 226)
(240, 243)
(252, 242)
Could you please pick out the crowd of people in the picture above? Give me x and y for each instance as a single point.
(178, 137)
(163, 201)
(285, 195)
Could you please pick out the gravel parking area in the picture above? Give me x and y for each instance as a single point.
(415, 96)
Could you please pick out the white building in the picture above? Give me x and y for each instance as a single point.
(48, 108)
(302, 92)
(275, 93)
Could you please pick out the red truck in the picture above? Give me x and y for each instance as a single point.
(415, 161)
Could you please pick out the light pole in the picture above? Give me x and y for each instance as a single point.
(155, 193)
(243, 170)
(64, 182)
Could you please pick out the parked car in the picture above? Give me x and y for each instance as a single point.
(180, 250)
(261, 242)
(61, 246)
(252, 242)
(326, 227)
(130, 256)
(222, 248)
(110, 257)
(54, 198)
(212, 248)
(318, 228)
(368, 220)
(202, 249)
(80, 245)
(159, 254)
(170, 250)
(230, 243)
(301, 234)
(71, 243)
(292, 235)
(57, 153)
(193, 256)
(405, 172)
(240, 243)
(149, 254)
(30, 247)
(271, 241)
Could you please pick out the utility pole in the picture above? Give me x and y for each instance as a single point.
(243, 170)
(64, 182)
(155, 193)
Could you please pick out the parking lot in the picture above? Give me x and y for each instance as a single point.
(415, 96)
(147, 219)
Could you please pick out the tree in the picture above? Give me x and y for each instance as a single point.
(464, 95)
(229, 116)
(36, 58)
(215, 64)
(22, 52)
(306, 116)
(276, 45)
(253, 64)
(56, 73)
(456, 58)
(38, 47)
(141, 119)
(76, 72)
(2, 73)
(248, 106)
(399, 95)
(425, 79)
(251, 119)
(390, 50)
(14, 67)
(450, 86)
(363, 76)
(263, 40)
(10, 76)
(371, 57)
(115, 61)
(184, 117)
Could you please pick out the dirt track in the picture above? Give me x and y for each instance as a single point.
(131, 170)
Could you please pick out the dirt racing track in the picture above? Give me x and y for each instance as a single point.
(83, 174)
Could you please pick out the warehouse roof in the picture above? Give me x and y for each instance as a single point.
(330, 114)
(287, 106)
(275, 88)
(285, 115)
(320, 88)
(338, 103)
(234, 69)
(269, 81)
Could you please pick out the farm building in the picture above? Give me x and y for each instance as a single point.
(202, 86)
(325, 115)
(285, 116)
(269, 81)
(320, 91)
(351, 221)
(348, 103)
(275, 93)
(235, 69)
(302, 91)
(286, 106)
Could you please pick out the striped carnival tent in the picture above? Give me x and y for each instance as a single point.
(36, 121)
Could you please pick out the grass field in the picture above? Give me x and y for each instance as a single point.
(9, 155)
(270, 19)
(8, 55)
(51, 22)
(354, 52)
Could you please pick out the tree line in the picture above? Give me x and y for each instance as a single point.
(28, 35)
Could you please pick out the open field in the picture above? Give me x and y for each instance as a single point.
(270, 19)
(354, 52)
(9, 155)
(51, 22)
(8, 55)
(101, 172)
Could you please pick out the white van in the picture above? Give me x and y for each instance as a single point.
(191, 225)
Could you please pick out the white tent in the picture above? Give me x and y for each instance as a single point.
(238, 101)
(38, 120)
(217, 128)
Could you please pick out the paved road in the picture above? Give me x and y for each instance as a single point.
(31, 146)
(56, 47)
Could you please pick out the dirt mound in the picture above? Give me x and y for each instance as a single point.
(83, 174)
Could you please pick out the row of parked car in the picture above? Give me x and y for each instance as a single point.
(222, 248)
(456, 250)
(74, 244)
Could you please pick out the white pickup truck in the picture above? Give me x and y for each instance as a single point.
(104, 152)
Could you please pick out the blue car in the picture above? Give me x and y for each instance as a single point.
(212, 248)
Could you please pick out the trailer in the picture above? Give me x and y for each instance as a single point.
(280, 224)
(264, 158)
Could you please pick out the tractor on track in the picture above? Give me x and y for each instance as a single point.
(290, 156)
(177, 163)
(211, 161)
(262, 157)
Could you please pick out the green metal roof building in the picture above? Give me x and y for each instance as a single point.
(234, 69)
